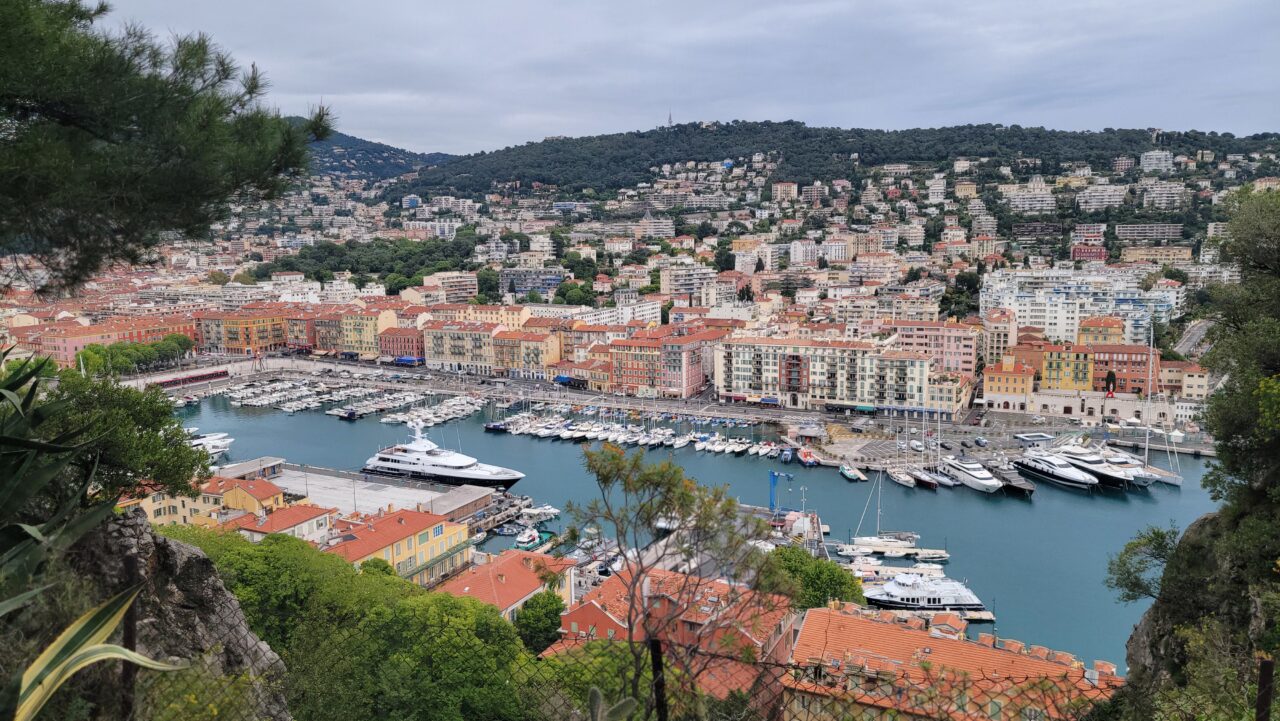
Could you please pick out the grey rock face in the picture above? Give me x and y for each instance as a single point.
(185, 612)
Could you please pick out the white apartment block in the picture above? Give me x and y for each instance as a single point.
(685, 280)
(1100, 197)
(1147, 232)
(1164, 196)
(1057, 299)
(1089, 233)
(1157, 161)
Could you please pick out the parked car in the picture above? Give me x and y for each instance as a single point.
(946, 445)
(1037, 420)
(982, 442)
(902, 446)
(966, 444)
(917, 446)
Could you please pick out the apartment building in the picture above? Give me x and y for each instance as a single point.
(1100, 197)
(63, 341)
(686, 279)
(952, 346)
(525, 354)
(1165, 196)
(1008, 385)
(999, 331)
(785, 192)
(1157, 161)
(361, 329)
(1136, 367)
(459, 346)
(1089, 233)
(253, 332)
(636, 366)
(401, 343)
(522, 281)
(651, 227)
(814, 374)
(422, 547)
(1067, 367)
(1160, 254)
(1147, 232)
(1101, 330)
(458, 286)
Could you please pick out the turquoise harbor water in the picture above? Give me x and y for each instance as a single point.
(1038, 564)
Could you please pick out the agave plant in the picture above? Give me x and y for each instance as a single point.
(28, 465)
(81, 644)
(617, 712)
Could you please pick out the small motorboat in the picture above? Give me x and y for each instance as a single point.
(851, 473)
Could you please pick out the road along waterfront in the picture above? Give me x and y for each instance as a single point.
(1039, 564)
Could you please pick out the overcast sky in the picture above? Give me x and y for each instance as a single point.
(484, 74)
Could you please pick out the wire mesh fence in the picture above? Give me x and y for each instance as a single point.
(393, 664)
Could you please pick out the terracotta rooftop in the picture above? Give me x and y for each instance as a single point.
(280, 520)
(363, 539)
(507, 579)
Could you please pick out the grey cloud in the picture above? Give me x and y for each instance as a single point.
(480, 75)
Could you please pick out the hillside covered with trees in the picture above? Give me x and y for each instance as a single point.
(347, 155)
(604, 162)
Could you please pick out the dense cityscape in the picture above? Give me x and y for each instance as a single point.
(714, 420)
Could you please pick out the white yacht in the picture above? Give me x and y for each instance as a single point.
(1091, 462)
(917, 593)
(420, 458)
(215, 444)
(1138, 472)
(1054, 469)
(970, 473)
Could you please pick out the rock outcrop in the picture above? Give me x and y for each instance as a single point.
(185, 612)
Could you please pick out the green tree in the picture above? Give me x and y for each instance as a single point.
(816, 581)
(136, 441)
(1135, 572)
(538, 621)
(759, 264)
(487, 282)
(244, 278)
(217, 277)
(112, 138)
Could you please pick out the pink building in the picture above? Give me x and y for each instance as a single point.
(952, 346)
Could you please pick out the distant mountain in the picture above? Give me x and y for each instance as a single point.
(612, 161)
(350, 156)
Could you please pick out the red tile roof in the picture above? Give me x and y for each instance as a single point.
(376, 533)
(280, 520)
(507, 579)
(259, 488)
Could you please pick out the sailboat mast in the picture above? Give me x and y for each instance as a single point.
(1146, 406)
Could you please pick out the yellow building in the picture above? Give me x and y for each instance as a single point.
(1066, 368)
(253, 332)
(1101, 330)
(1155, 253)
(360, 329)
(250, 495)
(422, 547)
(459, 345)
(525, 354)
(1008, 385)
(166, 510)
(966, 189)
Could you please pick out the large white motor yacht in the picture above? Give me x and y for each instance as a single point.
(971, 473)
(1040, 466)
(918, 593)
(421, 458)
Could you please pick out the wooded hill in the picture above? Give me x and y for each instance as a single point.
(604, 162)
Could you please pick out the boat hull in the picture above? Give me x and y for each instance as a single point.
(501, 482)
(1037, 475)
(899, 605)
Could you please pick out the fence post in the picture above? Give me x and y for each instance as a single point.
(1266, 687)
(129, 640)
(659, 679)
